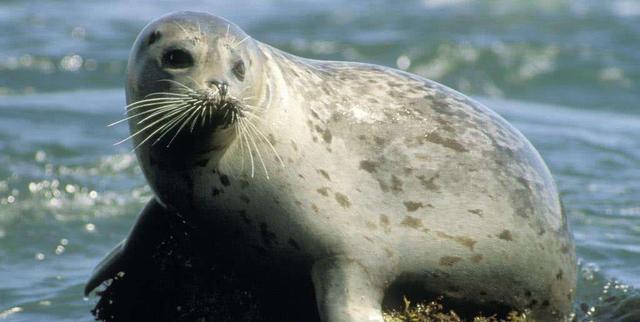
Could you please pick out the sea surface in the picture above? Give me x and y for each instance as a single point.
(565, 73)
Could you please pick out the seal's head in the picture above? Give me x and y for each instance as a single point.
(191, 74)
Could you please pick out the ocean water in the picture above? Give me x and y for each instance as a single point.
(565, 73)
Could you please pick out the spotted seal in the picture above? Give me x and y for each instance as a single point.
(371, 181)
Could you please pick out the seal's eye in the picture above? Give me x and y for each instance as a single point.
(176, 58)
(238, 70)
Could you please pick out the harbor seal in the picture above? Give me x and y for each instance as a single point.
(370, 181)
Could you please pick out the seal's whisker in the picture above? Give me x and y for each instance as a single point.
(166, 128)
(241, 143)
(189, 89)
(160, 109)
(244, 130)
(178, 121)
(203, 116)
(160, 104)
(240, 42)
(266, 140)
(252, 115)
(185, 120)
(158, 130)
(181, 27)
(249, 107)
(257, 151)
(193, 79)
(169, 126)
(166, 93)
(157, 100)
(198, 112)
(184, 123)
(147, 127)
(152, 105)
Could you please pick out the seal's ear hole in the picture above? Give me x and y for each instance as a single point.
(238, 70)
(153, 37)
(177, 58)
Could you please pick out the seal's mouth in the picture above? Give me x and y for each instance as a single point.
(183, 116)
(161, 117)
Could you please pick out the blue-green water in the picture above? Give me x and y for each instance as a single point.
(566, 73)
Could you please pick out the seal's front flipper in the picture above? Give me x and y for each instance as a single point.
(345, 291)
(136, 249)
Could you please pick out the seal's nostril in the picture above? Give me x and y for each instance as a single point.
(223, 87)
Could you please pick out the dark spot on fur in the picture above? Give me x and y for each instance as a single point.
(476, 212)
(342, 200)
(412, 222)
(225, 180)
(324, 174)
(527, 293)
(383, 185)
(412, 205)
(362, 137)
(429, 183)
(379, 141)
(323, 191)
(326, 134)
(315, 208)
(477, 258)
(559, 275)
(449, 260)
(268, 237)
(483, 293)
(272, 139)
(446, 142)
(314, 114)
(533, 303)
(384, 221)
(245, 198)
(545, 303)
(371, 226)
(294, 244)
(368, 166)
(464, 241)
(396, 184)
(388, 252)
(505, 235)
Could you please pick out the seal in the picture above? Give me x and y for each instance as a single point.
(370, 181)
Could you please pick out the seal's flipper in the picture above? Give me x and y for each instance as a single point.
(149, 230)
(345, 291)
(106, 269)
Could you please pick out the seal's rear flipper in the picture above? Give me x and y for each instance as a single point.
(148, 231)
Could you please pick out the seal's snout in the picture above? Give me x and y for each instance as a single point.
(222, 87)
